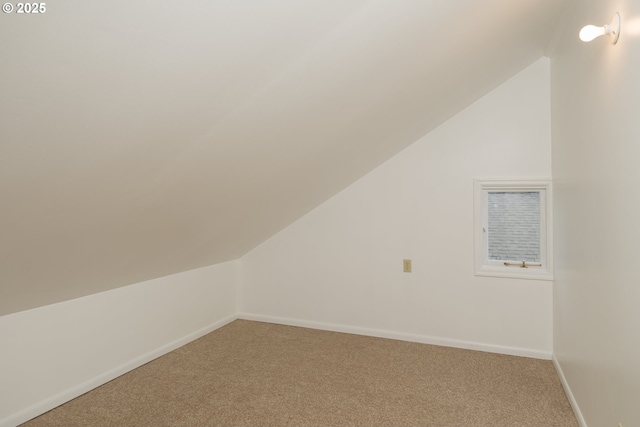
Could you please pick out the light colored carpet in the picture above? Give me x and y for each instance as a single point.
(260, 374)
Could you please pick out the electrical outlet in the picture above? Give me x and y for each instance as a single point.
(406, 265)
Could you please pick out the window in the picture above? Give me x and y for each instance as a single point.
(513, 229)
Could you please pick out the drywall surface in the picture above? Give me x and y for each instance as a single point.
(596, 134)
(140, 139)
(341, 265)
(54, 353)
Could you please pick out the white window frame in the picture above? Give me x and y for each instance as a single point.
(485, 267)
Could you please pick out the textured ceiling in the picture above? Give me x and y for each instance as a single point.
(140, 139)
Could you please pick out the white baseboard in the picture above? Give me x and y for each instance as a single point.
(567, 390)
(69, 394)
(424, 339)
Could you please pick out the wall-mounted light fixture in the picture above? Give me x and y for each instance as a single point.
(590, 32)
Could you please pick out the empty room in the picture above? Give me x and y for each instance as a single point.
(320, 213)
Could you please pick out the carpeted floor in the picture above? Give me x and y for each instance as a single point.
(260, 374)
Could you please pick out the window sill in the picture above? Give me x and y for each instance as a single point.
(531, 273)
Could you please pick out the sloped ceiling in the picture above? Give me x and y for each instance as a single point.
(140, 139)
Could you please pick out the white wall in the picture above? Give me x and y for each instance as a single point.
(340, 266)
(596, 151)
(51, 354)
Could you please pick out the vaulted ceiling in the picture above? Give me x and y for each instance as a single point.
(140, 139)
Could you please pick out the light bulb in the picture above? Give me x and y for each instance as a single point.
(590, 32)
